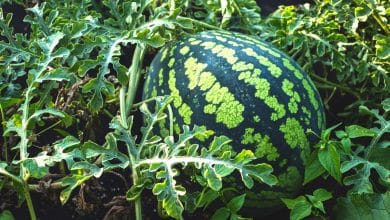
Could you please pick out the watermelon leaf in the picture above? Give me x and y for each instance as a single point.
(363, 206)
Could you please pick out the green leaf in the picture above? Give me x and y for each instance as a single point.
(322, 194)
(6, 215)
(55, 75)
(213, 180)
(291, 203)
(361, 178)
(381, 155)
(88, 168)
(221, 214)
(207, 197)
(300, 211)
(318, 197)
(300, 207)
(386, 104)
(313, 168)
(363, 207)
(173, 207)
(70, 183)
(236, 203)
(108, 154)
(35, 169)
(382, 46)
(50, 111)
(363, 12)
(355, 131)
(134, 192)
(330, 160)
(261, 172)
(6, 102)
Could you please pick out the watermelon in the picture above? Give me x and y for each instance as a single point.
(247, 90)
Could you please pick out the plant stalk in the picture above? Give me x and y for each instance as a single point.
(30, 205)
(126, 99)
(137, 202)
(134, 75)
(332, 85)
(23, 153)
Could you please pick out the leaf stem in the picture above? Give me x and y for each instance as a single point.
(137, 202)
(134, 75)
(10, 175)
(48, 128)
(376, 139)
(126, 99)
(30, 205)
(5, 145)
(332, 85)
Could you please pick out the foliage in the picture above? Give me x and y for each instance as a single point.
(364, 206)
(343, 45)
(68, 71)
(78, 66)
(303, 206)
(231, 209)
(6, 215)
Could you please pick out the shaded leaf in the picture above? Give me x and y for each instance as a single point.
(363, 207)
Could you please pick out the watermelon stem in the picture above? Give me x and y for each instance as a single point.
(134, 75)
(331, 85)
(126, 100)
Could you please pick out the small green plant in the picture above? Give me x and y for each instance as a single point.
(304, 206)
(231, 209)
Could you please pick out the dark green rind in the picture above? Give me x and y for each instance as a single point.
(259, 117)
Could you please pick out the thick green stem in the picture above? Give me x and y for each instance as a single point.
(5, 145)
(126, 100)
(122, 106)
(23, 152)
(134, 75)
(137, 202)
(30, 206)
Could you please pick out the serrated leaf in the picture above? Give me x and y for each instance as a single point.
(213, 180)
(173, 207)
(361, 178)
(134, 192)
(88, 168)
(55, 75)
(363, 207)
(70, 183)
(355, 131)
(330, 160)
(386, 104)
(261, 172)
(35, 169)
(50, 111)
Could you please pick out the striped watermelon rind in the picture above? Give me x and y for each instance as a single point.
(246, 89)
